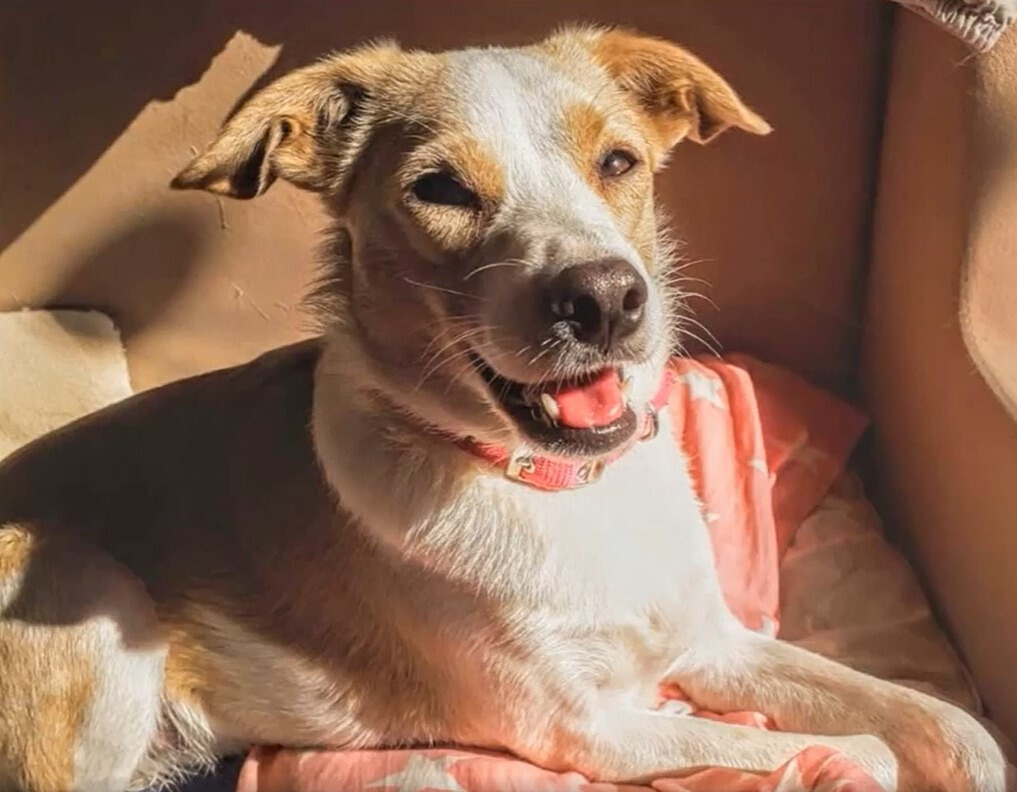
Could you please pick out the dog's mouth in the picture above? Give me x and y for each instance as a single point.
(587, 415)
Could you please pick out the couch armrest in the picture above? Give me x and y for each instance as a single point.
(940, 350)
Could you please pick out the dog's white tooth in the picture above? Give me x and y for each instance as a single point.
(626, 386)
(550, 406)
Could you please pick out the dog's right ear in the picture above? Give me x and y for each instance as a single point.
(302, 128)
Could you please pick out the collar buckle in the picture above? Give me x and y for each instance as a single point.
(589, 473)
(520, 464)
(652, 423)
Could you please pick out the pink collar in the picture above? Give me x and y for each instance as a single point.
(553, 474)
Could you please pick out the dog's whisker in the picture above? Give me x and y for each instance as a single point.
(679, 278)
(688, 319)
(444, 289)
(696, 337)
(393, 113)
(491, 343)
(550, 348)
(492, 265)
(436, 359)
(435, 362)
(453, 324)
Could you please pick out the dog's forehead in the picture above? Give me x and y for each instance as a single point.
(515, 96)
(490, 74)
(537, 120)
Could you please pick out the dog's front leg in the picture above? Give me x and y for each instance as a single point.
(938, 746)
(638, 746)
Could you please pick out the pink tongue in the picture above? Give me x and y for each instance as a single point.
(596, 403)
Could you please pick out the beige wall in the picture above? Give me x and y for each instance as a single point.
(104, 101)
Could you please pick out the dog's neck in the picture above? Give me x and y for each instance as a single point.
(406, 484)
(425, 504)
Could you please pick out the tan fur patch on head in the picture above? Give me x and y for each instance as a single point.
(309, 125)
(473, 165)
(679, 95)
(630, 196)
(682, 96)
(479, 167)
(584, 127)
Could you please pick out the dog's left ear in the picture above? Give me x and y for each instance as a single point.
(680, 95)
(305, 128)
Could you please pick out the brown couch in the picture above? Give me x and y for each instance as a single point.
(865, 243)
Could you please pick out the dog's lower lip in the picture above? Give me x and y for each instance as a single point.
(534, 413)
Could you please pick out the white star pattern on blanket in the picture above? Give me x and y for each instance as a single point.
(810, 456)
(767, 626)
(790, 780)
(703, 387)
(422, 773)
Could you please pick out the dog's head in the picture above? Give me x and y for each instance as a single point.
(497, 265)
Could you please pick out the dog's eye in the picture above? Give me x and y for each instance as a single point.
(617, 163)
(440, 187)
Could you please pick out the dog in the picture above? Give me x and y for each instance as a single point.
(455, 517)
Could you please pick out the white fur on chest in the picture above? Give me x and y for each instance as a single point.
(528, 594)
(620, 567)
(629, 543)
(620, 582)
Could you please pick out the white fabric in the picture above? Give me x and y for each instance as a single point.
(978, 22)
(56, 366)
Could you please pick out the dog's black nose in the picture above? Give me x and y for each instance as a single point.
(602, 301)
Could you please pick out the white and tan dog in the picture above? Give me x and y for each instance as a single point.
(449, 520)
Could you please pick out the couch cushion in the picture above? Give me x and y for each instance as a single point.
(941, 374)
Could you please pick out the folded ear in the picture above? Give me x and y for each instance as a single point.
(302, 128)
(680, 95)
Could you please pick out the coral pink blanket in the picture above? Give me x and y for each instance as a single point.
(764, 448)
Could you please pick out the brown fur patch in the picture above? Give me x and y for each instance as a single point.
(448, 228)
(630, 196)
(584, 127)
(309, 125)
(15, 549)
(479, 167)
(59, 708)
(45, 673)
(681, 95)
(187, 676)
